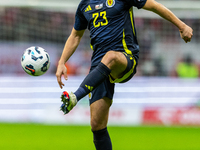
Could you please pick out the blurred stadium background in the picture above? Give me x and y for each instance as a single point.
(162, 92)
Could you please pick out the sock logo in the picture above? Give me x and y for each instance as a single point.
(90, 95)
(89, 87)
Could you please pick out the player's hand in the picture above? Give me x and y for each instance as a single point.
(186, 33)
(61, 70)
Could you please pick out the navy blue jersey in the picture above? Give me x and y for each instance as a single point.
(111, 26)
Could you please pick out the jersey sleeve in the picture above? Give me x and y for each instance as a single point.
(80, 20)
(137, 3)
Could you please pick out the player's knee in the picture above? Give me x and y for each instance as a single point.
(110, 58)
(96, 125)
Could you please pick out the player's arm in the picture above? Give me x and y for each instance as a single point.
(69, 48)
(186, 32)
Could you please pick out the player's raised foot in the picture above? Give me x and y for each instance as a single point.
(69, 101)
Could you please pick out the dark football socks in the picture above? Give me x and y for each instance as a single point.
(102, 140)
(92, 80)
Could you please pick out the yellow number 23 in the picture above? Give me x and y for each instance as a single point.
(101, 14)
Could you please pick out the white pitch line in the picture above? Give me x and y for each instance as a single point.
(35, 90)
(151, 100)
(117, 89)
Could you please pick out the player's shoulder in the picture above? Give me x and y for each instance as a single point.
(83, 4)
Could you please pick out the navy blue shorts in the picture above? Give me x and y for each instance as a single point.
(106, 89)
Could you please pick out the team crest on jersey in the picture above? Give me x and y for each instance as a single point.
(110, 3)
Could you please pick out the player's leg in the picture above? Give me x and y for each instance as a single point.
(92, 80)
(99, 118)
(121, 67)
(116, 62)
(113, 62)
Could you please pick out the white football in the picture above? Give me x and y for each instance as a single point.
(35, 61)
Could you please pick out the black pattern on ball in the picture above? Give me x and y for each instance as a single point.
(30, 68)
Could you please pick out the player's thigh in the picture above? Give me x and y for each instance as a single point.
(99, 111)
(116, 61)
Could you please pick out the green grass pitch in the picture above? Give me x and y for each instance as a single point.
(51, 137)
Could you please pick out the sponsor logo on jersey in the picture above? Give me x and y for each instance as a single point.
(98, 6)
(88, 8)
(110, 3)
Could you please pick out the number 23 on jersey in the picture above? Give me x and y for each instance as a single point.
(99, 15)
